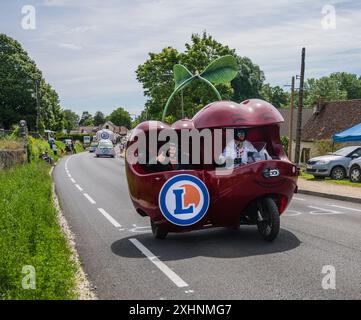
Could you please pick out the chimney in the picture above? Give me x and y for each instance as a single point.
(320, 105)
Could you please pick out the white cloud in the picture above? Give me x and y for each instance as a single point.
(90, 49)
(70, 46)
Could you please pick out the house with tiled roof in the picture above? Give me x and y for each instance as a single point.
(327, 119)
(286, 114)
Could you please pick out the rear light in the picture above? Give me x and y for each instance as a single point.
(282, 204)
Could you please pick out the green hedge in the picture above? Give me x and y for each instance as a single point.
(31, 236)
(76, 137)
(37, 146)
(285, 142)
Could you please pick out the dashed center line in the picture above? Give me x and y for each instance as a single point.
(79, 187)
(91, 200)
(179, 282)
(114, 222)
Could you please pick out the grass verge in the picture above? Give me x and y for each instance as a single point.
(31, 236)
(10, 144)
(344, 182)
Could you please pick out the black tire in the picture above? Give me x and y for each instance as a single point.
(269, 227)
(355, 174)
(319, 177)
(338, 173)
(158, 232)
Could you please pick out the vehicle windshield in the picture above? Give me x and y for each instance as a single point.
(105, 144)
(344, 151)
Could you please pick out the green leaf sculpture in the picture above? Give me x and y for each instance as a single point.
(181, 74)
(221, 70)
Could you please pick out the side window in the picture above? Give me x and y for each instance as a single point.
(359, 152)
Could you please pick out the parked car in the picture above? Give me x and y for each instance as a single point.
(333, 165)
(105, 149)
(354, 170)
(93, 147)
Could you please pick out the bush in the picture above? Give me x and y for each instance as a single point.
(30, 235)
(9, 143)
(75, 137)
(322, 147)
(285, 142)
(37, 146)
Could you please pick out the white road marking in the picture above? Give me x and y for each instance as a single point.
(72, 180)
(292, 213)
(321, 211)
(79, 187)
(161, 266)
(140, 229)
(114, 222)
(89, 198)
(300, 199)
(347, 208)
(69, 175)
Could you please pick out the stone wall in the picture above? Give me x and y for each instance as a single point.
(9, 158)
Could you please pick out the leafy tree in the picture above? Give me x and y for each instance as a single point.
(336, 86)
(326, 88)
(121, 117)
(51, 114)
(275, 95)
(24, 94)
(348, 82)
(99, 118)
(86, 119)
(71, 120)
(156, 76)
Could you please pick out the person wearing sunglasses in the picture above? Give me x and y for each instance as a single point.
(239, 149)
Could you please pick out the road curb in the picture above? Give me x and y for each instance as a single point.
(329, 196)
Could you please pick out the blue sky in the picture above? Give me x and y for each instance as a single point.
(88, 50)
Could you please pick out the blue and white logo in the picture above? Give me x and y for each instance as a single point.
(105, 135)
(184, 200)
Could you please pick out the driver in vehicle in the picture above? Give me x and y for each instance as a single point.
(241, 151)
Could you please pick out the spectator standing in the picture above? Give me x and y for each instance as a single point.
(55, 149)
(73, 147)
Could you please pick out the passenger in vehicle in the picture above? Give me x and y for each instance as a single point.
(159, 163)
(241, 151)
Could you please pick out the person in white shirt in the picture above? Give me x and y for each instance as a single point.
(239, 148)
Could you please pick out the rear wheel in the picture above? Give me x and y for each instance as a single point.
(268, 220)
(158, 232)
(355, 174)
(338, 173)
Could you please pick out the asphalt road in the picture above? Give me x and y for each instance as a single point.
(123, 260)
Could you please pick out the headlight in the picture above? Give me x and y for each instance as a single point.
(323, 162)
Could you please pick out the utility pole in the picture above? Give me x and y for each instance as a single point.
(299, 110)
(291, 120)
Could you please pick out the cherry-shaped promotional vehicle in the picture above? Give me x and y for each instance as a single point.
(208, 182)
